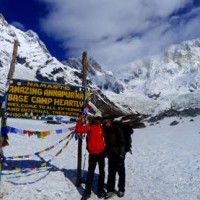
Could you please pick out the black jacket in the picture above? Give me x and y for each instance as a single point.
(114, 139)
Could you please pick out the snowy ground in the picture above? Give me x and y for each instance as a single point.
(165, 164)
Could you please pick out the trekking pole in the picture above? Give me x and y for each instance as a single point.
(84, 163)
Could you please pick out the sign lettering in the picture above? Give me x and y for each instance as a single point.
(31, 99)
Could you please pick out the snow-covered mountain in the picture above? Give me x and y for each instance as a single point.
(169, 81)
(33, 59)
(34, 62)
(105, 80)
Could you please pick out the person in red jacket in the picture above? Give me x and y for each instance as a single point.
(96, 149)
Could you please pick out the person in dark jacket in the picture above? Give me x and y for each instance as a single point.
(115, 150)
(96, 149)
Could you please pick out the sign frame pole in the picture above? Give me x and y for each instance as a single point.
(79, 153)
(9, 77)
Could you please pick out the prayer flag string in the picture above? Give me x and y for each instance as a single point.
(40, 134)
(43, 164)
(39, 152)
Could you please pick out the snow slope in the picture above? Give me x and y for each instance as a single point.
(165, 164)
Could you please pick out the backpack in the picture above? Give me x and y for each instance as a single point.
(127, 131)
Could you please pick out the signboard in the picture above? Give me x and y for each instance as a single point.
(31, 99)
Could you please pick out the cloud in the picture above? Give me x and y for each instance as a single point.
(18, 25)
(118, 32)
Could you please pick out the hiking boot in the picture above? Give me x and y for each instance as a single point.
(85, 196)
(109, 195)
(120, 194)
(101, 194)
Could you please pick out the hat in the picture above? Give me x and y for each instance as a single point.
(97, 115)
(126, 121)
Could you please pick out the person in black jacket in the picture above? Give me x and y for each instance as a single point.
(115, 150)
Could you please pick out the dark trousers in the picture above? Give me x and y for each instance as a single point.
(93, 160)
(116, 165)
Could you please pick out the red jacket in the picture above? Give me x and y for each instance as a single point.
(95, 136)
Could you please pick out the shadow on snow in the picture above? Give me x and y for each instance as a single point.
(27, 176)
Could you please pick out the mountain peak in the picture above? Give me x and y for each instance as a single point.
(166, 81)
(33, 37)
(34, 62)
(31, 33)
(3, 21)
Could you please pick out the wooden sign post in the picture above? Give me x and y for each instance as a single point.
(84, 83)
(9, 77)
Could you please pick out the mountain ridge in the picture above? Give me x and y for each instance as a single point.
(149, 86)
(165, 81)
(34, 62)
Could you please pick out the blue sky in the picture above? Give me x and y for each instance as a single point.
(26, 14)
(114, 32)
